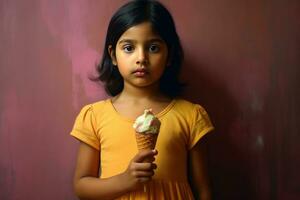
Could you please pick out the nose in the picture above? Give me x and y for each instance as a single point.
(142, 57)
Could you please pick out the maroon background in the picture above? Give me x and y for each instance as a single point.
(242, 63)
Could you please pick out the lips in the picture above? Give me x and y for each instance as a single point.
(140, 72)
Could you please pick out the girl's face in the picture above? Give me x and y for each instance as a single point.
(141, 55)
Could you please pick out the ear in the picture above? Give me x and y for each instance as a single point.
(112, 54)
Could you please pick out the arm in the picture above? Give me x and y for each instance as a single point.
(198, 172)
(87, 185)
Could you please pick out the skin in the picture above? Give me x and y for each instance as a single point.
(198, 172)
(139, 48)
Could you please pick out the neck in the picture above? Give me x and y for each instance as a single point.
(141, 93)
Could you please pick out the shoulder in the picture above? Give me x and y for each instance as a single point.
(189, 110)
(100, 104)
(97, 107)
(187, 106)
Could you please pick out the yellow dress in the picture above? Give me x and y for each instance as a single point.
(182, 125)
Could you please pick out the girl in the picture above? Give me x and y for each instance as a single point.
(140, 67)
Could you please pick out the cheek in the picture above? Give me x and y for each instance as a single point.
(159, 69)
(160, 61)
(124, 57)
(122, 68)
(124, 65)
(121, 60)
(162, 58)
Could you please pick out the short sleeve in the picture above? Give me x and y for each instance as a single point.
(84, 128)
(201, 125)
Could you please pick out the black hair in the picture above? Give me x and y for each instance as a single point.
(131, 14)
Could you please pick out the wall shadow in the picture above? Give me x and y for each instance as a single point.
(228, 163)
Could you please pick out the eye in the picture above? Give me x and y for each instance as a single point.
(128, 48)
(154, 48)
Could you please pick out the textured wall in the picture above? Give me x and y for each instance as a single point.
(242, 63)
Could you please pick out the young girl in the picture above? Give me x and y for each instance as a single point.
(140, 67)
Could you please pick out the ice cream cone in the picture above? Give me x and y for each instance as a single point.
(145, 141)
(146, 130)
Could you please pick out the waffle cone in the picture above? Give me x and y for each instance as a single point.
(145, 141)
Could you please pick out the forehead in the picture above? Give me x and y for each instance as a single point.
(140, 32)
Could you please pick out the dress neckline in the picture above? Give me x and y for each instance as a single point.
(158, 115)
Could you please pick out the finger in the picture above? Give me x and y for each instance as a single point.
(139, 157)
(149, 159)
(141, 174)
(143, 166)
(153, 166)
(144, 179)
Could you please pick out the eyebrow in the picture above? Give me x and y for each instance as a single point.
(135, 41)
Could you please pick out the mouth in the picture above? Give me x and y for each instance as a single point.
(140, 72)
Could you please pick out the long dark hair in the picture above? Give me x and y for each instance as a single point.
(131, 14)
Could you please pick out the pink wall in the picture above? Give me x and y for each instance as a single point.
(242, 59)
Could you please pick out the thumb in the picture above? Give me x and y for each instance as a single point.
(139, 157)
